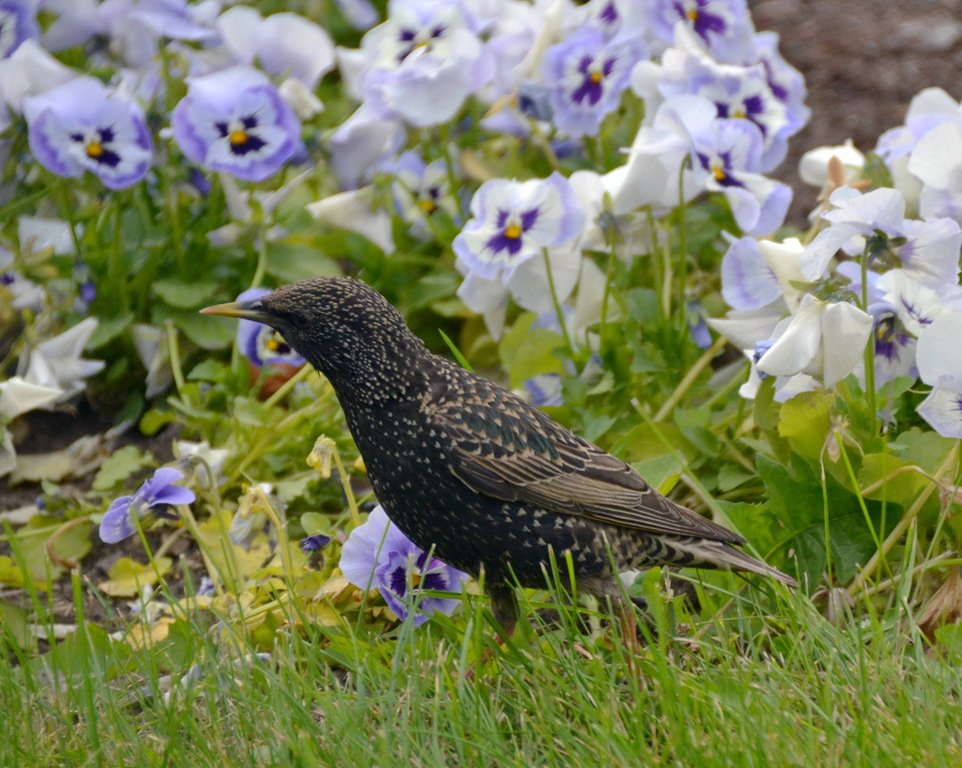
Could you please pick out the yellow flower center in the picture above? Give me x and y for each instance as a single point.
(273, 345)
(428, 206)
(512, 232)
(596, 77)
(719, 173)
(692, 14)
(238, 137)
(416, 579)
(94, 149)
(740, 114)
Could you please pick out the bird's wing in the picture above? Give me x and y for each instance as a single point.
(503, 447)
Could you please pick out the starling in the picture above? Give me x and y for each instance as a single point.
(472, 471)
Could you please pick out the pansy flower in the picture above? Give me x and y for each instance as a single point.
(422, 62)
(377, 555)
(420, 190)
(940, 365)
(84, 126)
(260, 344)
(587, 75)
(18, 22)
(722, 26)
(153, 497)
(726, 157)
(514, 221)
(285, 44)
(236, 121)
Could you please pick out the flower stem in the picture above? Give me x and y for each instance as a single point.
(287, 386)
(869, 350)
(903, 525)
(693, 373)
(283, 542)
(346, 485)
(173, 352)
(557, 304)
(261, 268)
(116, 268)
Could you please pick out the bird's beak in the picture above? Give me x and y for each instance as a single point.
(246, 310)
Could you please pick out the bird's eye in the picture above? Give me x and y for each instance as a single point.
(300, 321)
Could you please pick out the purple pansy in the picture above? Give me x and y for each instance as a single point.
(84, 126)
(723, 26)
(377, 555)
(236, 121)
(18, 22)
(154, 496)
(422, 62)
(513, 221)
(726, 159)
(420, 190)
(315, 542)
(178, 19)
(261, 344)
(587, 76)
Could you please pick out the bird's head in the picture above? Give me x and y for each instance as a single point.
(344, 328)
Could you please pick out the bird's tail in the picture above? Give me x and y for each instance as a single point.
(716, 554)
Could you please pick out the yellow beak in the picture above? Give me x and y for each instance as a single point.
(246, 310)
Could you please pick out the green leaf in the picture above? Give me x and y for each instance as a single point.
(155, 420)
(205, 331)
(185, 294)
(251, 412)
(109, 329)
(123, 463)
(730, 476)
(314, 523)
(209, 370)
(661, 472)
(290, 263)
(527, 351)
(798, 519)
(927, 449)
(805, 422)
(902, 488)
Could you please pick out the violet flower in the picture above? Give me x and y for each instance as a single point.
(236, 121)
(588, 74)
(154, 496)
(83, 125)
(18, 22)
(261, 344)
(377, 555)
(514, 221)
(723, 26)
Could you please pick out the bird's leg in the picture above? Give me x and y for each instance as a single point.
(504, 606)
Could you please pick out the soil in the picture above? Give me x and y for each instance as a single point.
(863, 61)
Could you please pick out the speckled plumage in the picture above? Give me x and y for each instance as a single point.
(475, 472)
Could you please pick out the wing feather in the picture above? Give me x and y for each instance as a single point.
(525, 456)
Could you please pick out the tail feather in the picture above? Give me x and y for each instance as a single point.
(715, 554)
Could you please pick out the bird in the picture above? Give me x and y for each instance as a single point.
(473, 472)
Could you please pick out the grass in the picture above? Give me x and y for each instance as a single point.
(756, 679)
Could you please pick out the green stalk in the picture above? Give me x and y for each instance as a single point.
(173, 352)
(116, 270)
(869, 351)
(903, 525)
(557, 304)
(693, 373)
